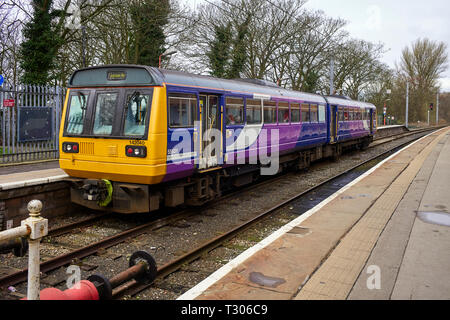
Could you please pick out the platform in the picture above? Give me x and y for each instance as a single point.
(30, 178)
(386, 235)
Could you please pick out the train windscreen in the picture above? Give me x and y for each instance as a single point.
(113, 112)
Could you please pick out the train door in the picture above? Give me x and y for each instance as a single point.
(373, 117)
(210, 131)
(333, 124)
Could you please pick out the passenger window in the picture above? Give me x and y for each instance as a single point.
(253, 111)
(270, 112)
(77, 113)
(104, 113)
(137, 107)
(346, 117)
(314, 114)
(341, 114)
(305, 113)
(235, 111)
(182, 110)
(295, 112)
(322, 114)
(283, 112)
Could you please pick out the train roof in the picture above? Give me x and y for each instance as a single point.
(334, 100)
(119, 75)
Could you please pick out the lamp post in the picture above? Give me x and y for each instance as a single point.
(385, 110)
(437, 109)
(165, 55)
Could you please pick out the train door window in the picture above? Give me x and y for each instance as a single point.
(364, 114)
(283, 112)
(322, 114)
(104, 113)
(235, 111)
(360, 114)
(305, 113)
(182, 110)
(314, 114)
(270, 112)
(295, 112)
(137, 107)
(253, 111)
(341, 114)
(346, 114)
(77, 113)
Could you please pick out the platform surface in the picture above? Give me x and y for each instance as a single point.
(18, 176)
(370, 240)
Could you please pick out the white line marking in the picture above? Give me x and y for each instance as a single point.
(219, 274)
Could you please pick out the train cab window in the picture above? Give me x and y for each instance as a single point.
(305, 112)
(295, 112)
(346, 114)
(283, 112)
(314, 114)
(104, 113)
(341, 114)
(254, 111)
(322, 114)
(235, 111)
(182, 110)
(363, 114)
(270, 112)
(76, 113)
(137, 107)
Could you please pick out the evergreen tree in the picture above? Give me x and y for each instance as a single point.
(228, 52)
(149, 18)
(239, 53)
(40, 46)
(219, 55)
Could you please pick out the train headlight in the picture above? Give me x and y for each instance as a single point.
(71, 147)
(136, 151)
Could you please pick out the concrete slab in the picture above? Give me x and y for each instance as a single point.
(425, 272)
(31, 178)
(357, 245)
(390, 248)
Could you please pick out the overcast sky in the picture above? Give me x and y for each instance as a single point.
(396, 24)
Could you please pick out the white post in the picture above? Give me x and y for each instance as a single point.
(428, 117)
(39, 229)
(332, 76)
(437, 110)
(407, 104)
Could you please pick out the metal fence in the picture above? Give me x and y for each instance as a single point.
(29, 122)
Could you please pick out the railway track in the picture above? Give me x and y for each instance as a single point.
(158, 222)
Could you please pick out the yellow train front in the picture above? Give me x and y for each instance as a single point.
(113, 137)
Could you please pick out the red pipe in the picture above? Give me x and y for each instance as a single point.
(87, 291)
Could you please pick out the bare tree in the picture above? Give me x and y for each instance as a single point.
(422, 65)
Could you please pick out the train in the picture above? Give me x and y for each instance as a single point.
(136, 139)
